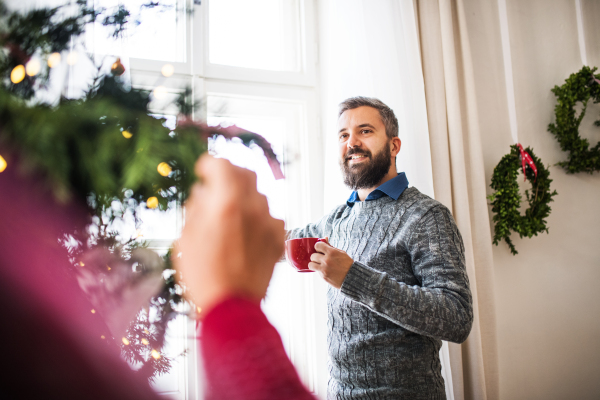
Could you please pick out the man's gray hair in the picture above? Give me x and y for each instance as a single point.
(387, 115)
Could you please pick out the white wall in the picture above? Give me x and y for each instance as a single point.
(547, 297)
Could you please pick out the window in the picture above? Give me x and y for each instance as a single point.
(289, 302)
(267, 34)
(252, 64)
(153, 33)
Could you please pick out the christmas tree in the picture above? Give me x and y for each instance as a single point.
(103, 149)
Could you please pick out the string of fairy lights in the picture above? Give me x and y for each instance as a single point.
(34, 66)
(55, 64)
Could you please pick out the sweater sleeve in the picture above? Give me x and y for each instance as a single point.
(244, 357)
(310, 230)
(320, 229)
(441, 306)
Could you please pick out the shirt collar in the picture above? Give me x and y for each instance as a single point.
(392, 188)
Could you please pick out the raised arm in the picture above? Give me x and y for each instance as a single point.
(226, 255)
(244, 357)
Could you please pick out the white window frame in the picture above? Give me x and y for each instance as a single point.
(305, 77)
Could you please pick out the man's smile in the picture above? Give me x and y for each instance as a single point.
(357, 158)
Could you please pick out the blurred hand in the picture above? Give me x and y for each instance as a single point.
(230, 243)
(332, 263)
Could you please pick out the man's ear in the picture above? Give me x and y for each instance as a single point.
(395, 145)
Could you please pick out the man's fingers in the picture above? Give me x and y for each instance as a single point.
(317, 258)
(322, 247)
(313, 266)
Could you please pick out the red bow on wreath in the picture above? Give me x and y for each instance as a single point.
(526, 158)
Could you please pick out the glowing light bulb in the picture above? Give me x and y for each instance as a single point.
(32, 68)
(167, 70)
(81, 264)
(159, 92)
(145, 341)
(102, 337)
(125, 341)
(152, 202)
(155, 354)
(54, 60)
(3, 164)
(17, 74)
(72, 58)
(146, 331)
(199, 310)
(127, 134)
(164, 169)
(93, 311)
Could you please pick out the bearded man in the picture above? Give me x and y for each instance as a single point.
(395, 264)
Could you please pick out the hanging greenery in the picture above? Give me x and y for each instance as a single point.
(506, 199)
(580, 87)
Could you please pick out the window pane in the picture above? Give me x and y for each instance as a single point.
(271, 128)
(152, 224)
(261, 34)
(154, 32)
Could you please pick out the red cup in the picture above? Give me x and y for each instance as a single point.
(298, 252)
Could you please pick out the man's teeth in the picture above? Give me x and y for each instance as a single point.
(356, 157)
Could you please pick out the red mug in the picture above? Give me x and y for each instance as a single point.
(298, 252)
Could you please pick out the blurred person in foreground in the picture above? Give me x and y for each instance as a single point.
(226, 254)
(395, 264)
(53, 346)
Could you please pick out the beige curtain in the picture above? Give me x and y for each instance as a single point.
(460, 183)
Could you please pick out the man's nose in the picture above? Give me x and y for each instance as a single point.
(353, 141)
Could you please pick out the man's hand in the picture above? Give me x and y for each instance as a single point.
(332, 263)
(230, 242)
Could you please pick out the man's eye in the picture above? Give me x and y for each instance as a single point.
(343, 137)
(366, 131)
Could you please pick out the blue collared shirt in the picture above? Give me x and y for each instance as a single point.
(392, 188)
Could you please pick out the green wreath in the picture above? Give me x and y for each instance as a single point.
(506, 200)
(579, 87)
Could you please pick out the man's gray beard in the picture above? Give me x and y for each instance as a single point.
(367, 174)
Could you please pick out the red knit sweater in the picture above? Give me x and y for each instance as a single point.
(244, 357)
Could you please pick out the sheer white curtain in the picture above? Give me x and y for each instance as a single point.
(371, 48)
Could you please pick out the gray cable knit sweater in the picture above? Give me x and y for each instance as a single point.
(406, 292)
